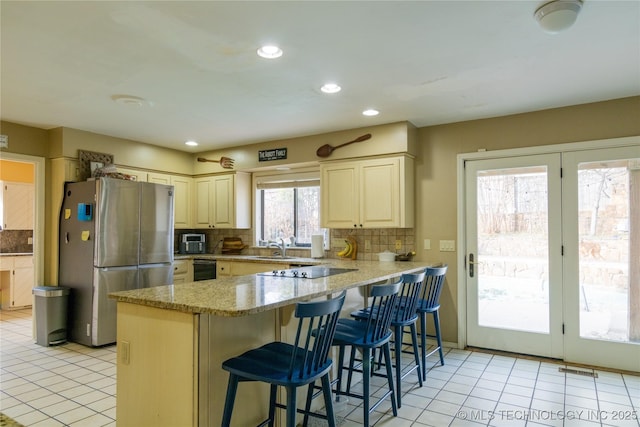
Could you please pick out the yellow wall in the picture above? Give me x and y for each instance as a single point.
(16, 171)
(25, 139)
(436, 167)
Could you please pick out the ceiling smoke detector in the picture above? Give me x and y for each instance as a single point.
(558, 15)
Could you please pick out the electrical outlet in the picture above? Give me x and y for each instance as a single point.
(29, 240)
(367, 245)
(447, 246)
(427, 244)
(398, 244)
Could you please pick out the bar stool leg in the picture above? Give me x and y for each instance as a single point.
(366, 382)
(291, 406)
(232, 387)
(436, 322)
(328, 400)
(272, 404)
(397, 331)
(387, 362)
(423, 344)
(414, 341)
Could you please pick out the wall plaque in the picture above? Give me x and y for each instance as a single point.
(275, 154)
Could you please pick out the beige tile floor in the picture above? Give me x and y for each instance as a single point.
(73, 385)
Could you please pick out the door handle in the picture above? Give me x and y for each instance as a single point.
(471, 265)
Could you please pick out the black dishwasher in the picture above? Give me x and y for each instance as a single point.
(204, 269)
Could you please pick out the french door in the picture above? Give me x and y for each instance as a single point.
(553, 264)
(601, 202)
(514, 263)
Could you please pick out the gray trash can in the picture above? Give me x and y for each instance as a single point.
(51, 314)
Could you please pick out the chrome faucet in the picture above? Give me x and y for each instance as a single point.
(282, 246)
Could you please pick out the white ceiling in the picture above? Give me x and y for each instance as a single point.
(195, 63)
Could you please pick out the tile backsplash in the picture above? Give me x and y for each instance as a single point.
(16, 241)
(370, 241)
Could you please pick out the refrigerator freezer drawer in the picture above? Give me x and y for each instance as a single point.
(107, 280)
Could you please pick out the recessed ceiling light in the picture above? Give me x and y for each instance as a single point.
(191, 143)
(330, 88)
(370, 112)
(270, 52)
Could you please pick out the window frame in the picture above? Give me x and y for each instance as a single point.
(306, 177)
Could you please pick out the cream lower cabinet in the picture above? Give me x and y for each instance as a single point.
(372, 193)
(182, 187)
(182, 271)
(17, 281)
(223, 201)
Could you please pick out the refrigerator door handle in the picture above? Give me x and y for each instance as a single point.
(66, 237)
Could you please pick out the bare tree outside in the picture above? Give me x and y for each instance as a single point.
(291, 212)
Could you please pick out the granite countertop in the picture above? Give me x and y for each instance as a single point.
(245, 295)
(17, 254)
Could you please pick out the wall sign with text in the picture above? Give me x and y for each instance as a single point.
(275, 154)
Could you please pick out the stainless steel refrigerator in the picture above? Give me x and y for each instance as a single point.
(115, 235)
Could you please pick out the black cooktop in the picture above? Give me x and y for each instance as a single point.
(311, 272)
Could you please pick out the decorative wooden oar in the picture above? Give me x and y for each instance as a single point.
(326, 150)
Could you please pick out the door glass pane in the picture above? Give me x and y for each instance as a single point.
(609, 237)
(513, 256)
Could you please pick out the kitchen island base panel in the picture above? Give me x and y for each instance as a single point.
(156, 358)
(173, 376)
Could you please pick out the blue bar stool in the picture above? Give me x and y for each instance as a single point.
(430, 304)
(291, 366)
(367, 335)
(404, 315)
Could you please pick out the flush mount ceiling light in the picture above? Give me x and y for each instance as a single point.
(558, 15)
(191, 143)
(270, 52)
(370, 112)
(129, 100)
(330, 88)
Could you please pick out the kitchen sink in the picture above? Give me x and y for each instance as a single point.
(274, 257)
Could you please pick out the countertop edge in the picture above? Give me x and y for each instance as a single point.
(237, 296)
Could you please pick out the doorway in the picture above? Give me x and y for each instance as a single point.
(38, 164)
(552, 252)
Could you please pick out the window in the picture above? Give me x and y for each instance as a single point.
(288, 206)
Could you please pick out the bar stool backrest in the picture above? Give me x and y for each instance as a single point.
(408, 297)
(316, 328)
(381, 312)
(432, 288)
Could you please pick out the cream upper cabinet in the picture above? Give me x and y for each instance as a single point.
(371, 193)
(17, 205)
(138, 175)
(223, 201)
(182, 188)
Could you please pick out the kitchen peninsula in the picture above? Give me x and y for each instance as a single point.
(172, 340)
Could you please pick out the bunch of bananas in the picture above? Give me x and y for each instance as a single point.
(351, 248)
